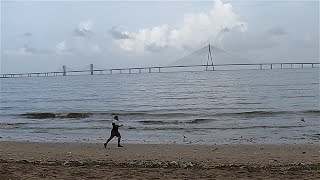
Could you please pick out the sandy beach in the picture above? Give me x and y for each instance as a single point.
(30, 160)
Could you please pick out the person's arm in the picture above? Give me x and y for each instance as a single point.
(117, 124)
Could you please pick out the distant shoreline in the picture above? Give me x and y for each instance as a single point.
(80, 160)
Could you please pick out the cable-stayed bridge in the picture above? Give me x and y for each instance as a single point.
(201, 60)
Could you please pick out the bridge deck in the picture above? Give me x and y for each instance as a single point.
(161, 68)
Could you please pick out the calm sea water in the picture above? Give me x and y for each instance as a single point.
(247, 106)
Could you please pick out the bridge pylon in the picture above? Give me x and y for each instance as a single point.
(209, 60)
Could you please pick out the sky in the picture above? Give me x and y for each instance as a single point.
(40, 36)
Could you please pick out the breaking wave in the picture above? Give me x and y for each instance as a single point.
(269, 113)
(163, 122)
(149, 122)
(164, 115)
(220, 128)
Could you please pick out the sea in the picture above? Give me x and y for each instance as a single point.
(275, 106)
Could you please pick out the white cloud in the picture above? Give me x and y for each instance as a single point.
(193, 31)
(85, 25)
(82, 43)
(84, 28)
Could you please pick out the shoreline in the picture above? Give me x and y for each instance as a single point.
(139, 161)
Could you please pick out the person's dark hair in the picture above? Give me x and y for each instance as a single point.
(115, 117)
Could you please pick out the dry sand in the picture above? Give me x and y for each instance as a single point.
(26, 160)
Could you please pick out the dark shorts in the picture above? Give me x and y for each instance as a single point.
(115, 133)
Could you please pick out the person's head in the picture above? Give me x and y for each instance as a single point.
(116, 118)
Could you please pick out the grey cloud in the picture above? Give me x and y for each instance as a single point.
(82, 33)
(238, 41)
(116, 34)
(237, 27)
(28, 48)
(32, 50)
(276, 31)
(224, 30)
(155, 48)
(27, 34)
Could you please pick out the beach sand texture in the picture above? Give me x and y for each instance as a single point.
(26, 160)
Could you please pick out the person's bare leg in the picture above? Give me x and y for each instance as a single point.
(119, 139)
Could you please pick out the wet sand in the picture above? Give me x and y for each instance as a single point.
(28, 160)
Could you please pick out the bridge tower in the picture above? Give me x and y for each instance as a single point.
(209, 59)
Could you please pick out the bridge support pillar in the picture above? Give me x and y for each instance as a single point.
(64, 67)
(91, 69)
(270, 66)
(149, 70)
(140, 71)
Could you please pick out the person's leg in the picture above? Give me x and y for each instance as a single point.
(105, 144)
(111, 137)
(119, 139)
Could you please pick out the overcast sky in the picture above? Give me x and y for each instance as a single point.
(42, 36)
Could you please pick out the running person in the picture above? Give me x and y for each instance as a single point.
(114, 131)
